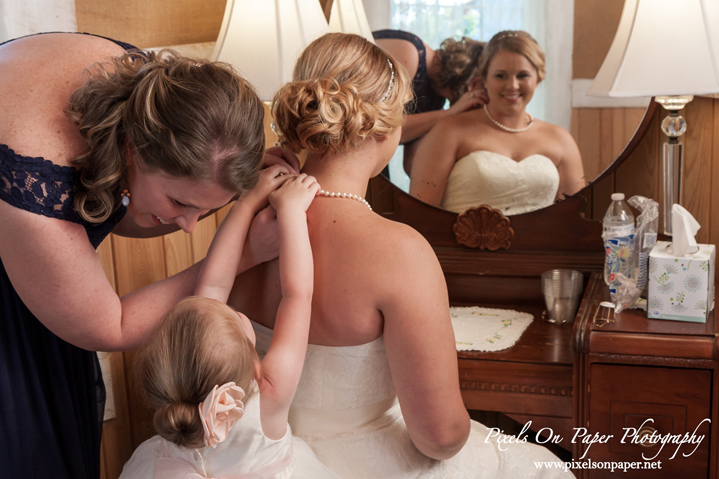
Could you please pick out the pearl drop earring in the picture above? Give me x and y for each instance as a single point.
(125, 198)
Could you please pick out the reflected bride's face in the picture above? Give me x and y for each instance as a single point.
(511, 81)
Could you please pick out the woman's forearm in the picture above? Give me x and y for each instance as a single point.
(419, 124)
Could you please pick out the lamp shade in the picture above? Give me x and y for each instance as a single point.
(263, 39)
(348, 16)
(662, 48)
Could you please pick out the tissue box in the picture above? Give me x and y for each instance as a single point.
(681, 287)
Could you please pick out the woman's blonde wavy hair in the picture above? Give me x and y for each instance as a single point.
(189, 118)
(519, 42)
(337, 97)
(198, 345)
(459, 61)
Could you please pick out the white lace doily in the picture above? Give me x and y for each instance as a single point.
(486, 329)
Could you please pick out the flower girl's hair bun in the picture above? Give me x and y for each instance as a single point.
(198, 345)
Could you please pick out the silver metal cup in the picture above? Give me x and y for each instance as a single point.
(562, 289)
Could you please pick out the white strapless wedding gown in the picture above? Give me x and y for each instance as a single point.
(346, 410)
(514, 187)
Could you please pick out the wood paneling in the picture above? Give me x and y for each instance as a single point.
(601, 135)
(154, 23)
(595, 22)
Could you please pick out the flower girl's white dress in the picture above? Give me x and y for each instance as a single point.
(245, 454)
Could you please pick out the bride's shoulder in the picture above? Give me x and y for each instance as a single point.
(399, 241)
(550, 130)
(555, 134)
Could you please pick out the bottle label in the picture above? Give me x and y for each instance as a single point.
(618, 259)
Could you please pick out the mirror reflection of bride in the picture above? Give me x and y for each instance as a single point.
(379, 393)
(499, 155)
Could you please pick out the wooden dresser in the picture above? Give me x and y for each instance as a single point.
(629, 369)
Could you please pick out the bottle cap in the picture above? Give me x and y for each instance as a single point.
(617, 196)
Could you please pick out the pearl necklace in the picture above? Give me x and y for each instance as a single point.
(330, 194)
(506, 128)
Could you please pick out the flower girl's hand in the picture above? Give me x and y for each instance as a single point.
(270, 179)
(297, 192)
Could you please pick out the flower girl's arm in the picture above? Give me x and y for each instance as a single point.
(282, 366)
(223, 258)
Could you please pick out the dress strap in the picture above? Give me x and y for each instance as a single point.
(39, 186)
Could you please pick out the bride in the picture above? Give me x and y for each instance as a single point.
(499, 155)
(379, 394)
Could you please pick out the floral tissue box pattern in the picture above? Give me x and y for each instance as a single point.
(681, 288)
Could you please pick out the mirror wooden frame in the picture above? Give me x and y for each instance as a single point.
(559, 236)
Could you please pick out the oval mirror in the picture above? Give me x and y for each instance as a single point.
(602, 128)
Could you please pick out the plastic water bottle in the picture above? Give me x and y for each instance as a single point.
(618, 239)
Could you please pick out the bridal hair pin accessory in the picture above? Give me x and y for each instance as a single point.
(125, 198)
(330, 194)
(506, 128)
(391, 82)
(219, 411)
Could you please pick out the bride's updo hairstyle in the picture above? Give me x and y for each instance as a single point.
(519, 42)
(343, 92)
(198, 345)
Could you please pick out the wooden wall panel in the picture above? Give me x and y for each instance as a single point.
(601, 135)
(178, 252)
(138, 262)
(698, 148)
(153, 23)
(202, 237)
(595, 22)
(713, 225)
(116, 431)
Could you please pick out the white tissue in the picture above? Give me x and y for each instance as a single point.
(684, 228)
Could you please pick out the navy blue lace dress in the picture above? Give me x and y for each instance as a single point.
(51, 393)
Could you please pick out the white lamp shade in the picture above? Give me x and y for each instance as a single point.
(662, 48)
(348, 16)
(263, 39)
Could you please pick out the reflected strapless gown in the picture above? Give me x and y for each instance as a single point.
(346, 410)
(514, 187)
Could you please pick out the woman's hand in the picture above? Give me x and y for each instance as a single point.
(271, 178)
(278, 156)
(470, 100)
(297, 192)
(263, 239)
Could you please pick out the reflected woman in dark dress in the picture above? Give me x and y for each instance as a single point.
(437, 76)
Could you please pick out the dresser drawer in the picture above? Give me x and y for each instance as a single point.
(670, 401)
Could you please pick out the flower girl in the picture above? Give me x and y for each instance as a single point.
(218, 410)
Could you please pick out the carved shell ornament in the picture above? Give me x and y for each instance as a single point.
(483, 228)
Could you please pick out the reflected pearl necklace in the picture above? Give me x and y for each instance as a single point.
(330, 194)
(506, 128)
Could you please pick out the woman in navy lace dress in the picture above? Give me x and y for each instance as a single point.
(177, 138)
(437, 76)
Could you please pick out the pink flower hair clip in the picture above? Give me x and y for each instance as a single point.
(219, 411)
